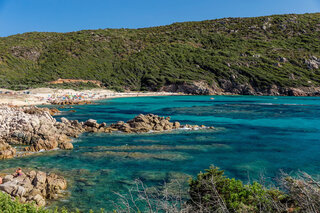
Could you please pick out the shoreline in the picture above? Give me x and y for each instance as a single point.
(44, 96)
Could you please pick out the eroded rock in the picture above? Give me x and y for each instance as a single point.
(6, 151)
(36, 128)
(147, 123)
(34, 186)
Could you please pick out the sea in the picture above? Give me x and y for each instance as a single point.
(254, 139)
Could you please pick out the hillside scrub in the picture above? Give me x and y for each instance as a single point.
(281, 50)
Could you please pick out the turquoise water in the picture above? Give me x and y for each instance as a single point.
(253, 135)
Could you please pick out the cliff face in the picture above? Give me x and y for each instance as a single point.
(264, 55)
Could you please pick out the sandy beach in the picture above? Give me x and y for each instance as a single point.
(43, 96)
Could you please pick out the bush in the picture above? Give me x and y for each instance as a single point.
(211, 191)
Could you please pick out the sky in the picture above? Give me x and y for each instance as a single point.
(19, 16)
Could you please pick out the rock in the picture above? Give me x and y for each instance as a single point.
(278, 64)
(313, 63)
(36, 128)
(91, 123)
(40, 180)
(66, 145)
(39, 200)
(34, 186)
(283, 59)
(146, 123)
(42, 145)
(103, 125)
(176, 125)
(64, 120)
(7, 178)
(6, 151)
(195, 88)
(70, 102)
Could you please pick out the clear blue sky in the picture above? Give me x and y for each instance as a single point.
(19, 16)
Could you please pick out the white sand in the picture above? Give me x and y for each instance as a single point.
(41, 96)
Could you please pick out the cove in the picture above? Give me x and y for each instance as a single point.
(253, 135)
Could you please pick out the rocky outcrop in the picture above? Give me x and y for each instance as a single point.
(70, 102)
(6, 151)
(149, 122)
(34, 127)
(194, 88)
(34, 186)
(313, 63)
(233, 87)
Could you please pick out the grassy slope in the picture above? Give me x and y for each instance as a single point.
(149, 58)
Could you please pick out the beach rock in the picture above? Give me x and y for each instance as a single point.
(34, 186)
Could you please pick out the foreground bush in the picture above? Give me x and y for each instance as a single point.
(9, 205)
(213, 192)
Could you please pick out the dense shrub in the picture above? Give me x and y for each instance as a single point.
(211, 191)
(244, 50)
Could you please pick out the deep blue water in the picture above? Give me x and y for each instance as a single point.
(253, 135)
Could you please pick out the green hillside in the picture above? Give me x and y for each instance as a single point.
(238, 55)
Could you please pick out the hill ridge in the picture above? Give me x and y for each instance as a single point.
(278, 54)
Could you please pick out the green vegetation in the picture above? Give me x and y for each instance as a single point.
(7, 205)
(260, 52)
(216, 193)
(210, 191)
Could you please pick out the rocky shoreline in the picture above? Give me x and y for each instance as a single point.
(34, 186)
(35, 128)
(70, 102)
(231, 87)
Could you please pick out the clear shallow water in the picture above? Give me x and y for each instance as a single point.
(253, 135)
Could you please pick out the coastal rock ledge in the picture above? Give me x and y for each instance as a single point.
(34, 186)
(38, 130)
(34, 127)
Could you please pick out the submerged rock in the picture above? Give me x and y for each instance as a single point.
(170, 156)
